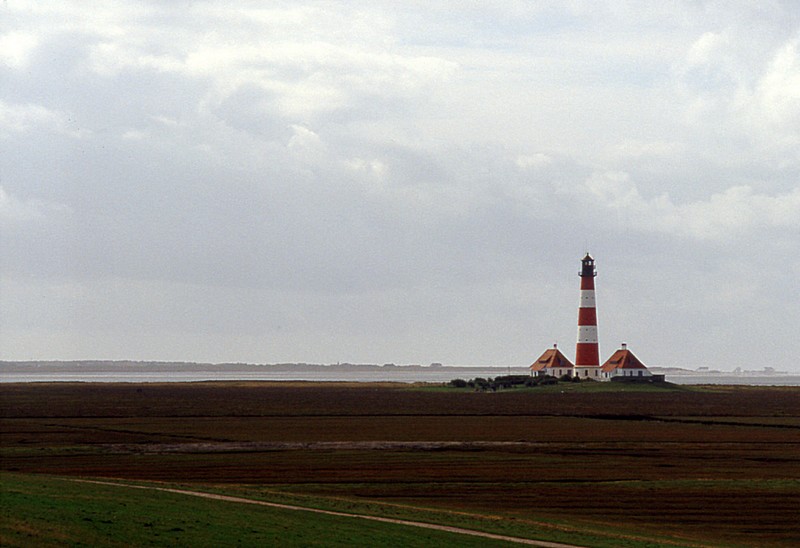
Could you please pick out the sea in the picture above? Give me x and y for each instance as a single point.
(400, 374)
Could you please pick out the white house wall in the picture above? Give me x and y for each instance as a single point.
(631, 373)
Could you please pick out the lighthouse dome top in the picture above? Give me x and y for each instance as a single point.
(587, 267)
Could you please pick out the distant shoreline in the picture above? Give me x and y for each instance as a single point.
(58, 366)
(130, 371)
(163, 366)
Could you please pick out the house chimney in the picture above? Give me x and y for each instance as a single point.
(624, 346)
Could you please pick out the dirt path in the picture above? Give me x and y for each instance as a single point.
(419, 524)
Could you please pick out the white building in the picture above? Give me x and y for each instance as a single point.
(623, 363)
(552, 363)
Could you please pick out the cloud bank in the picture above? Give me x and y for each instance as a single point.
(352, 182)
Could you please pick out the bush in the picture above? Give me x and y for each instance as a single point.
(512, 380)
(458, 383)
(482, 384)
(543, 380)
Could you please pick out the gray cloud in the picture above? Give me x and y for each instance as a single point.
(344, 182)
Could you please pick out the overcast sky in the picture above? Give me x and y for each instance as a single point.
(352, 181)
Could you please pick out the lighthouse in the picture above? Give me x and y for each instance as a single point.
(587, 354)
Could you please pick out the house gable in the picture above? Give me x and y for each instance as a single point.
(623, 360)
(551, 362)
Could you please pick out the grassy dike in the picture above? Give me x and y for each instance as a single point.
(51, 511)
(58, 511)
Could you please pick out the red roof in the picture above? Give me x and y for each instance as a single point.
(551, 358)
(622, 359)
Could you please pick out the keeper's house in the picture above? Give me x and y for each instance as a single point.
(623, 365)
(552, 363)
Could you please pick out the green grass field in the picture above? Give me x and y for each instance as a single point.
(56, 511)
(48, 511)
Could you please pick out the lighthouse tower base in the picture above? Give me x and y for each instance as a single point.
(588, 372)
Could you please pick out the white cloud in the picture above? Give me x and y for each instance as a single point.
(300, 55)
(109, 58)
(305, 142)
(14, 211)
(724, 216)
(633, 149)
(21, 118)
(614, 189)
(533, 161)
(707, 49)
(134, 135)
(776, 98)
(740, 89)
(373, 169)
(731, 214)
(16, 48)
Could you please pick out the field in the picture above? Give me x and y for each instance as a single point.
(594, 465)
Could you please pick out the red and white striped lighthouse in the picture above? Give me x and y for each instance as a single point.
(587, 353)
